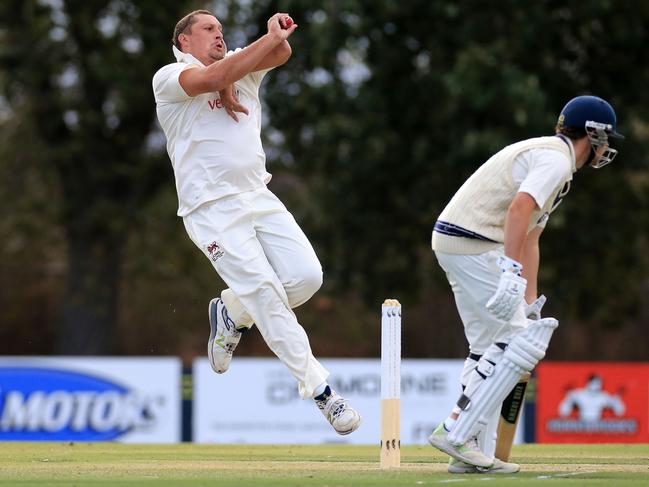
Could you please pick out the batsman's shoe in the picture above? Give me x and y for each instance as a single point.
(501, 467)
(339, 413)
(224, 337)
(467, 453)
(456, 466)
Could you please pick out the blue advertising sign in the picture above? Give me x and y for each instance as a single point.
(50, 404)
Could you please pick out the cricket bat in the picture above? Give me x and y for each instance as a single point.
(509, 416)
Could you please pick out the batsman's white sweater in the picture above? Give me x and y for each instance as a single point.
(480, 205)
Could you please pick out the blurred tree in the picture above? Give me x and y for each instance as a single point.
(387, 107)
(77, 76)
(381, 113)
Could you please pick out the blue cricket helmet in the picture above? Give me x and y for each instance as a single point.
(582, 109)
(596, 118)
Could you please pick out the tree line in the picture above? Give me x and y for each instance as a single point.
(381, 113)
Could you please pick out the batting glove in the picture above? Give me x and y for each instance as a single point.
(511, 290)
(533, 310)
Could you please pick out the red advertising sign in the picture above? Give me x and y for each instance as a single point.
(592, 402)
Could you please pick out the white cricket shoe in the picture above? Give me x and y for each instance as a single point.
(339, 413)
(224, 337)
(456, 466)
(467, 453)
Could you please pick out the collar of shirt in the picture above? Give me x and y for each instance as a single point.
(573, 160)
(185, 57)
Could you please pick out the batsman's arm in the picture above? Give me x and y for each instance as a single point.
(510, 293)
(516, 224)
(530, 260)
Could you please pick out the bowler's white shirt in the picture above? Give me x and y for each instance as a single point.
(212, 155)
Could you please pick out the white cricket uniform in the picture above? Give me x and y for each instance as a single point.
(542, 172)
(251, 239)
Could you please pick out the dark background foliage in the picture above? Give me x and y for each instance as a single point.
(381, 113)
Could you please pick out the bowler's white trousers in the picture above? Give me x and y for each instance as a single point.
(260, 252)
(474, 280)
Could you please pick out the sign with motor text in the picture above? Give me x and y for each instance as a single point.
(124, 399)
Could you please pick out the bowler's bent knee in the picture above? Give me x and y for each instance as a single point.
(300, 289)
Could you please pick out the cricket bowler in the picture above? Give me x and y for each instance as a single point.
(208, 105)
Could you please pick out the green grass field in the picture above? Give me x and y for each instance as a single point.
(92, 464)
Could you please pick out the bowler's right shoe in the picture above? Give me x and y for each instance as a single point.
(224, 337)
(339, 413)
(456, 466)
(467, 453)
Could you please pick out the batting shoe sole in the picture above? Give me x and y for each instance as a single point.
(499, 467)
(467, 453)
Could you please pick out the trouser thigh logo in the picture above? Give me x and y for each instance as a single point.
(214, 251)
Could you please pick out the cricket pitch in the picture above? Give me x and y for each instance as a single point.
(340, 465)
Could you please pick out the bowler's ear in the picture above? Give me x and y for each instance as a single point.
(182, 38)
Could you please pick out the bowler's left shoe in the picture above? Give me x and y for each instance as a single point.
(224, 337)
(339, 413)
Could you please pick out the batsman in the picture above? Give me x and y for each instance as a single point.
(487, 242)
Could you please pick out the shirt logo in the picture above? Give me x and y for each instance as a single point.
(564, 191)
(217, 104)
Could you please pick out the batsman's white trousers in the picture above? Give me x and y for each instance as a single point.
(474, 280)
(260, 252)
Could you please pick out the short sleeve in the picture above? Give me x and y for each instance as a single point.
(258, 76)
(548, 170)
(166, 84)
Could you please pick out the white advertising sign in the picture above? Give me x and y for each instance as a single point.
(130, 400)
(256, 401)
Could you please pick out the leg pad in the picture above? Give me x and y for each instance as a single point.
(522, 355)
